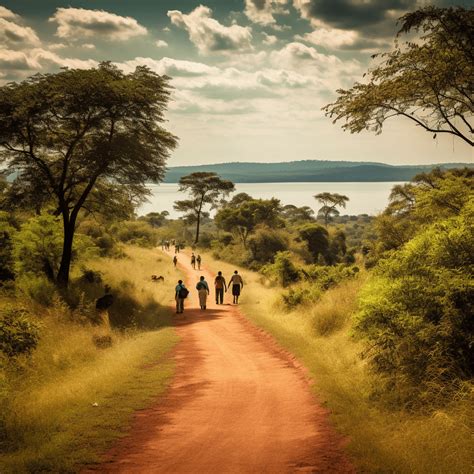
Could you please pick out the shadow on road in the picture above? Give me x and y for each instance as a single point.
(195, 315)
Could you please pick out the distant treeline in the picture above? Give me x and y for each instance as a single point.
(309, 171)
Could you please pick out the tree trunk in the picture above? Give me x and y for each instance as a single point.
(65, 266)
(198, 225)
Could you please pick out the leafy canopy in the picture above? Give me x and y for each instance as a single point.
(74, 136)
(429, 81)
(205, 188)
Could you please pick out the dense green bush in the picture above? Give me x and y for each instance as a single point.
(37, 247)
(135, 232)
(282, 271)
(325, 277)
(18, 333)
(7, 231)
(265, 243)
(417, 312)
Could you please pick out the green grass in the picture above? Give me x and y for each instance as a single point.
(381, 439)
(51, 423)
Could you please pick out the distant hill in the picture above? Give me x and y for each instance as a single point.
(309, 171)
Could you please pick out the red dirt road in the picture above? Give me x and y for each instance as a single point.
(236, 405)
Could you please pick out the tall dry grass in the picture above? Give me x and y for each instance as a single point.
(69, 400)
(381, 438)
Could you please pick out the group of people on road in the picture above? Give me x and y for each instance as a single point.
(196, 260)
(220, 285)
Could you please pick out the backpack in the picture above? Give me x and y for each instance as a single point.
(183, 292)
(200, 286)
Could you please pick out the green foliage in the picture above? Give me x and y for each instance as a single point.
(417, 312)
(136, 233)
(282, 271)
(427, 81)
(316, 238)
(19, 334)
(85, 141)
(38, 246)
(415, 205)
(7, 232)
(265, 244)
(156, 219)
(205, 189)
(330, 202)
(243, 219)
(38, 288)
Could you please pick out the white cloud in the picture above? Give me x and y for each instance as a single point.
(269, 40)
(79, 23)
(331, 38)
(161, 44)
(17, 60)
(48, 58)
(262, 11)
(88, 46)
(8, 14)
(171, 67)
(16, 36)
(208, 35)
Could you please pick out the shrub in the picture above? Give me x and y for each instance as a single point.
(37, 247)
(265, 243)
(136, 232)
(6, 248)
(37, 288)
(417, 312)
(300, 295)
(282, 271)
(18, 333)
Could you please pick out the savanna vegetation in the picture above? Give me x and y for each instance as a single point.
(84, 332)
(379, 309)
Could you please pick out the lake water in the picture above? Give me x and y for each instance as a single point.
(365, 198)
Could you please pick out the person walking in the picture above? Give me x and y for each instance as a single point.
(237, 285)
(198, 260)
(181, 293)
(175, 261)
(193, 261)
(203, 291)
(220, 286)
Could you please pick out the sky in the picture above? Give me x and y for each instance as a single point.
(249, 76)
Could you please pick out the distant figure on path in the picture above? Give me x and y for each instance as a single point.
(237, 285)
(193, 261)
(220, 286)
(176, 248)
(175, 261)
(181, 293)
(198, 260)
(203, 291)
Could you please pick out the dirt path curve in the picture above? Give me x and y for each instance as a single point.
(234, 406)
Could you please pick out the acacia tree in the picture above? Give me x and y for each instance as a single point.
(330, 201)
(205, 189)
(243, 219)
(430, 82)
(76, 131)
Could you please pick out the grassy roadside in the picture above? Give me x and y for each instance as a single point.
(70, 400)
(381, 439)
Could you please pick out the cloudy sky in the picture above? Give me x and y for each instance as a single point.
(250, 76)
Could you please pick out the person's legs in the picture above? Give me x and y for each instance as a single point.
(181, 305)
(219, 295)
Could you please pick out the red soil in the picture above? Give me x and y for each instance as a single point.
(237, 404)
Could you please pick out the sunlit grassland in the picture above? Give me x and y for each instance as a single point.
(381, 439)
(51, 421)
